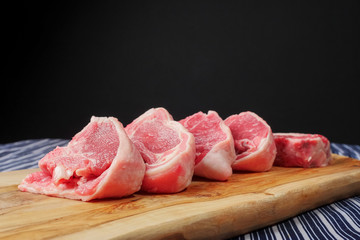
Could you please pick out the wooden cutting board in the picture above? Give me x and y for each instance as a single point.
(205, 210)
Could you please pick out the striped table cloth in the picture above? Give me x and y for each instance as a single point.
(339, 220)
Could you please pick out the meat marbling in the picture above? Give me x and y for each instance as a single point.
(302, 150)
(99, 162)
(167, 148)
(254, 142)
(215, 150)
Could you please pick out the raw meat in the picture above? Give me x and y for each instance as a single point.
(167, 148)
(254, 142)
(302, 150)
(99, 162)
(214, 143)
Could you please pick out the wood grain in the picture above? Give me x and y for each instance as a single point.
(205, 210)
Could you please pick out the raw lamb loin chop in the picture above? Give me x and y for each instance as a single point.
(254, 142)
(167, 148)
(302, 150)
(214, 143)
(99, 162)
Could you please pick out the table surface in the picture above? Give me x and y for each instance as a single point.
(339, 220)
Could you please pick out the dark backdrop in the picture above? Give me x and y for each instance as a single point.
(295, 65)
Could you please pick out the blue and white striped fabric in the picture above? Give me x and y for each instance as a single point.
(352, 151)
(340, 220)
(26, 154)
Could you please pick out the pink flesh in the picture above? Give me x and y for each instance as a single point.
(247, 132)
(215, 150)
(87, 155)
(301, 137)
(302, 150)
(78, 186)
(206, 130)
(91, 166)
(254, 143)
(167, 148)
(152, 138)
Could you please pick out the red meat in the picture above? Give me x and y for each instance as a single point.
(302, 150)
(215, 150)
(254, 142)
(99, 162)
(167, 148)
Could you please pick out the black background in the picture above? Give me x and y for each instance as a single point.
(295, 65)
